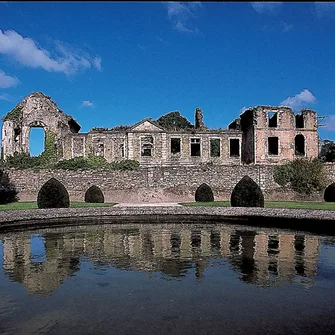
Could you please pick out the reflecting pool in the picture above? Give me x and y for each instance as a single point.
(166, 279)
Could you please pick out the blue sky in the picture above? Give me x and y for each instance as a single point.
(115, 63)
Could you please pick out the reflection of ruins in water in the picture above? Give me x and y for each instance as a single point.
(264, 258)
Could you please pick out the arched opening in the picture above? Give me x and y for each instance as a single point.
(36, 141)
(299, 144)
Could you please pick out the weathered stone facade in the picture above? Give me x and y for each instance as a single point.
(159, 184)
(39, 111)
(272, 135)
(262, 135)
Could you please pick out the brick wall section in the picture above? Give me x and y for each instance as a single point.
(159, 184)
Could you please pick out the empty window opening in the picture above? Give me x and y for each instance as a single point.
(100, 149)
(234, 147)
(175, 145)
(273, 145)
(36, 141)
(122, 150)
(299, 144)
(195, 146)
(215, 147)
(272, 119)
(17, 132)
(299, 121)
(147, 143)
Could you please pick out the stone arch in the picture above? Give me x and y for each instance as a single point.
(36, 110)
(32, 125)
(299, 145)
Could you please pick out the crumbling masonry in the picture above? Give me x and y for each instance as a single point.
(261, 135)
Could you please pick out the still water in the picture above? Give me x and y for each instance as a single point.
(166, 279)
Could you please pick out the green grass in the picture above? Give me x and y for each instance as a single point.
(33, 205)
(272, 204)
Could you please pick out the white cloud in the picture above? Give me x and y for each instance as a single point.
(87, 103)
(97, 63)
(323, 9)
(141, 46)
(266, 7)
(300, 99)
(286, 27)
(180, 13)
(25, 51)
(7, 81)
(6, 97)
(330, 123)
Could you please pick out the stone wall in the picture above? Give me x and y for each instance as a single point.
(158, 184)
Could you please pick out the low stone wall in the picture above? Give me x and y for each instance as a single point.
(158, 184)
(315, 221)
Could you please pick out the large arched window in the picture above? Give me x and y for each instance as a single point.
(299, 145)
(36, 141)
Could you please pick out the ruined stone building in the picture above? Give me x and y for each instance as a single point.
(261, 135)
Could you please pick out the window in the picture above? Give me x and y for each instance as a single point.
(272, 119)
(175, 145)
(234, 147)
(122, 149)
(299, 145)
(273, 145)
(299, 121)
(147, 146)
(100, 149)
(215, 147)
(195, 146)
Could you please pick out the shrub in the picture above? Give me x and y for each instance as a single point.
(72, 164)
(53, 194)
(8, 192)
(204, 193)
(329, 194)
(302, 175)
(96, 162)
(127, 164)
(247, 193)
(94, 194)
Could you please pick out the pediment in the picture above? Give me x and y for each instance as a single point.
(147, 126)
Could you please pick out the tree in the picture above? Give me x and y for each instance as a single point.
(8, 192)
(247, 193)
(327, 153)
(329, 194)
(53, 194)
(204, 193)
(174, 121)
(302, 175)
(94, 194)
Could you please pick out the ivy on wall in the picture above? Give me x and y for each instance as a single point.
(49, 155)
(13, 115)
(23, 160)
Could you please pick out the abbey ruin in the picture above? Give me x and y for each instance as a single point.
(261, 135)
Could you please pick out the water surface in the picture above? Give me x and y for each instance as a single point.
(166, 279)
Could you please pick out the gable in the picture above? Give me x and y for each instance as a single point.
(146, 126)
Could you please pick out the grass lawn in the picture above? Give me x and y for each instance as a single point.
(33, 204)
(272, 204)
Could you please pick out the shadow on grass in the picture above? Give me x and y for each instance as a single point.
(33, 205)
